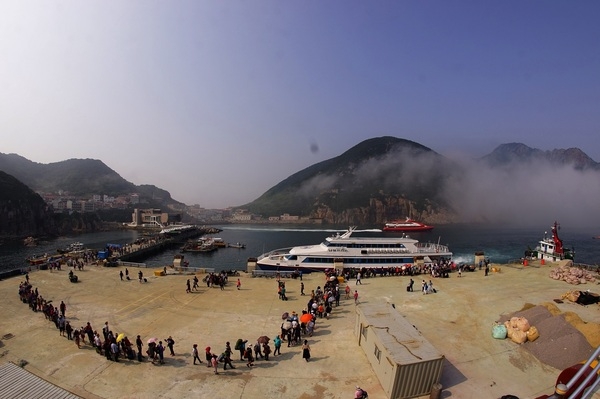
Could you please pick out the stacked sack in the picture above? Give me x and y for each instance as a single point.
(519, 330)
(572, 275)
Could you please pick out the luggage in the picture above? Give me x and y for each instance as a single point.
(532, 334)
(499, 331)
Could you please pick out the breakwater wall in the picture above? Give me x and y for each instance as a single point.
(175, 239)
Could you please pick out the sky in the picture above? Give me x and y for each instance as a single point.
(218, 101)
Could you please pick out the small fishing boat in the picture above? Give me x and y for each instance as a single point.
(236, 245)
(73, 247)
(203, 244)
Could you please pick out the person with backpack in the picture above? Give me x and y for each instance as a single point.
(257, 352)
(249, 357)
(240, 345)
(226, 357)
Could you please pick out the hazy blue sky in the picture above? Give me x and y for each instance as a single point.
(217, 101)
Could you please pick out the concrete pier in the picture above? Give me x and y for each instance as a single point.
(456, 321)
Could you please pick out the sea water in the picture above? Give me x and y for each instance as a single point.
(499, 244)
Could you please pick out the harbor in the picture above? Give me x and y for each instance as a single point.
(462, 309)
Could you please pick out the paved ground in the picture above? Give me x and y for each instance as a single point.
(457, 320)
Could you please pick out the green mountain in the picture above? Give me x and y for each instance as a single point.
(80, 177)
(402, 176)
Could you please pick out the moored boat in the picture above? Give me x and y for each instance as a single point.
(203, 244)
(551, 248)
(30, 242)
(236, 245)
(347, 251)
(73, 247)
(406, 225)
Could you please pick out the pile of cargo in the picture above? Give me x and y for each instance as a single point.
(572, 275)
(517, 329)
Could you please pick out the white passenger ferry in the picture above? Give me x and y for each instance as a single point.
(348, 251)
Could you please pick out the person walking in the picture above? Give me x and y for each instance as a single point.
(266, 350)
(61, 325)
(208, 356)
(121, 275)
(140, 275)
(195, 354)
(257, 353)
(76, 336)
(215, 363)
(347, 290)
(139, 343)
(358, 279)
(160, 351)
(240, 345)
(114, 348)
(187, 285)
(355, 297)
(249, 357)
(277, 343)
(63, 308)
(69, 330)
(170, 343)
(238, 284)
(302, 289)
(306, 351)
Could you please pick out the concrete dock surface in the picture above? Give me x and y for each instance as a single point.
(457, 320)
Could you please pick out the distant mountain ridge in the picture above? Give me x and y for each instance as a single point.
(78, 177)
(377, 180)
(518, 152)
(387, 178)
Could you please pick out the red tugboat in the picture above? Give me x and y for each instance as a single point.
(552, 249)
(407, 225)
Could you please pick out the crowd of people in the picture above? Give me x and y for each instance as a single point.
(295, 329)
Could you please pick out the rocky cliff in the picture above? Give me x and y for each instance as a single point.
(382, 210)
(22, 212)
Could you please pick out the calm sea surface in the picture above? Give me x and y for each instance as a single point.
(500, 244)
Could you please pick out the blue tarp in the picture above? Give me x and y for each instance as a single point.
(113, 245)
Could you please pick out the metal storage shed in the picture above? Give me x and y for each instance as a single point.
(406, 364)
(18, 383)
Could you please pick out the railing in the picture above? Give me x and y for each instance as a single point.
(192, 270)
(271, 273)
(132, 264)
(592, 378)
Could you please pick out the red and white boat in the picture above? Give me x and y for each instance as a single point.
(406, 225)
